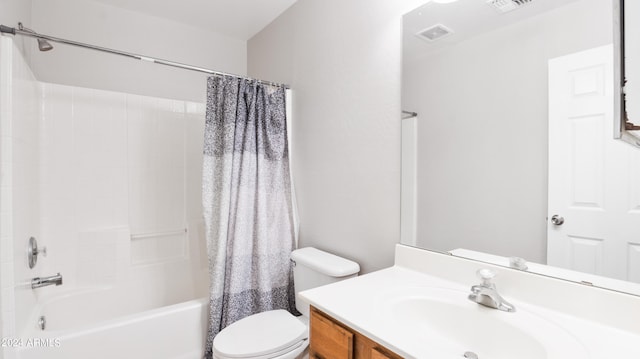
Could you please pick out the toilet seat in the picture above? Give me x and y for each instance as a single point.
(267, 335)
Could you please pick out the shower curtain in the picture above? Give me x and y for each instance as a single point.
(247, 204)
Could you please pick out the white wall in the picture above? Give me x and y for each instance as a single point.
(108, 182)
(482, 131)
(343, 61)
(19, 192)
(119, 185)
(12, 12)
(98, 24)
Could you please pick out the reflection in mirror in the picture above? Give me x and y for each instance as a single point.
(512, 152)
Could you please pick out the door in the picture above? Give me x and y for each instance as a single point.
(594, 180)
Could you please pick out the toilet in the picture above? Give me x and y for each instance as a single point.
(277, 334)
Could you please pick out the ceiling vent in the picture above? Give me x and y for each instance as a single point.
(504, 6)
(435, 32)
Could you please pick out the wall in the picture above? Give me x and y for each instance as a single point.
(482, 148)
(343, 61)
(134, 32)
(109, 183)
(12, 12)
(19, 194)
(121, 201)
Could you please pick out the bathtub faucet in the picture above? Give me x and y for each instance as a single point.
(43, 282)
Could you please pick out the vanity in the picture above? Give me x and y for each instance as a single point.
(332, 339)
(419, 308)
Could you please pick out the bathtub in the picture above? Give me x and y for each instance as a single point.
(173, 332)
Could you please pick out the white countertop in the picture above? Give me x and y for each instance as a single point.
(356, 303)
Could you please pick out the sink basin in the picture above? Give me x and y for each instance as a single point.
(450, 324)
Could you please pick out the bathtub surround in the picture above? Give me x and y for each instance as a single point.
(110, 184)
(247, 201)
(120, 196)
(19, 186)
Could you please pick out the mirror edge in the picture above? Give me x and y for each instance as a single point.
(560, 278)
(618, 42)
(620, 111)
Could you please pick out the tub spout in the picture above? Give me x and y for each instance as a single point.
(45, 281)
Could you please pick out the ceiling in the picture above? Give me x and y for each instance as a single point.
(240, 19)
(467, 19)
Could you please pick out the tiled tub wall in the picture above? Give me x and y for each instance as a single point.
(121, 193)
(19, 187)
(108, 182)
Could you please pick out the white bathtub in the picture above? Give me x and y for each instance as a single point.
(171, 332)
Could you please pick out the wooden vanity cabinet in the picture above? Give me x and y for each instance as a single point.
(330, 339)
(377, 354)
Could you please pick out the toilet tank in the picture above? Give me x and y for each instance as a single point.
(314, 268)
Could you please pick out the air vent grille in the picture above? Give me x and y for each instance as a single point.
(504, 6)
(435, 32)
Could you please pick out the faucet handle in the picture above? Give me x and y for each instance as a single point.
(33, 251)
(518, 263)
(486, 275)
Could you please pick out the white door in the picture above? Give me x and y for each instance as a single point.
(594, 180)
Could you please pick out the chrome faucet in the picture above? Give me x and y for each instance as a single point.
(486, 293)
(43, 282)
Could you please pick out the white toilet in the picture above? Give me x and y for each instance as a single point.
(277, 334)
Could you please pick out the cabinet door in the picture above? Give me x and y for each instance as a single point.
(376, 354)
(328, 339)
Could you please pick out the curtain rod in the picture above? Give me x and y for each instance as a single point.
(411, 114)
(23, 32)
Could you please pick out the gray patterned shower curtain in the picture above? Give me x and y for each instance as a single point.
(247, 204)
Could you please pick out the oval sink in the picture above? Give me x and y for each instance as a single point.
(450, 324)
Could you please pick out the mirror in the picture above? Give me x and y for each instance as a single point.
(512, 152)
(629, 80)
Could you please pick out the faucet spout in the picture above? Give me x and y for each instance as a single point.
(486, 293)
(490, 298)
(39, 282)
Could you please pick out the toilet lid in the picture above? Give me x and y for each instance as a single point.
(259, 335)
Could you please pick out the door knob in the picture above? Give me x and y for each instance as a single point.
(557, 220)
